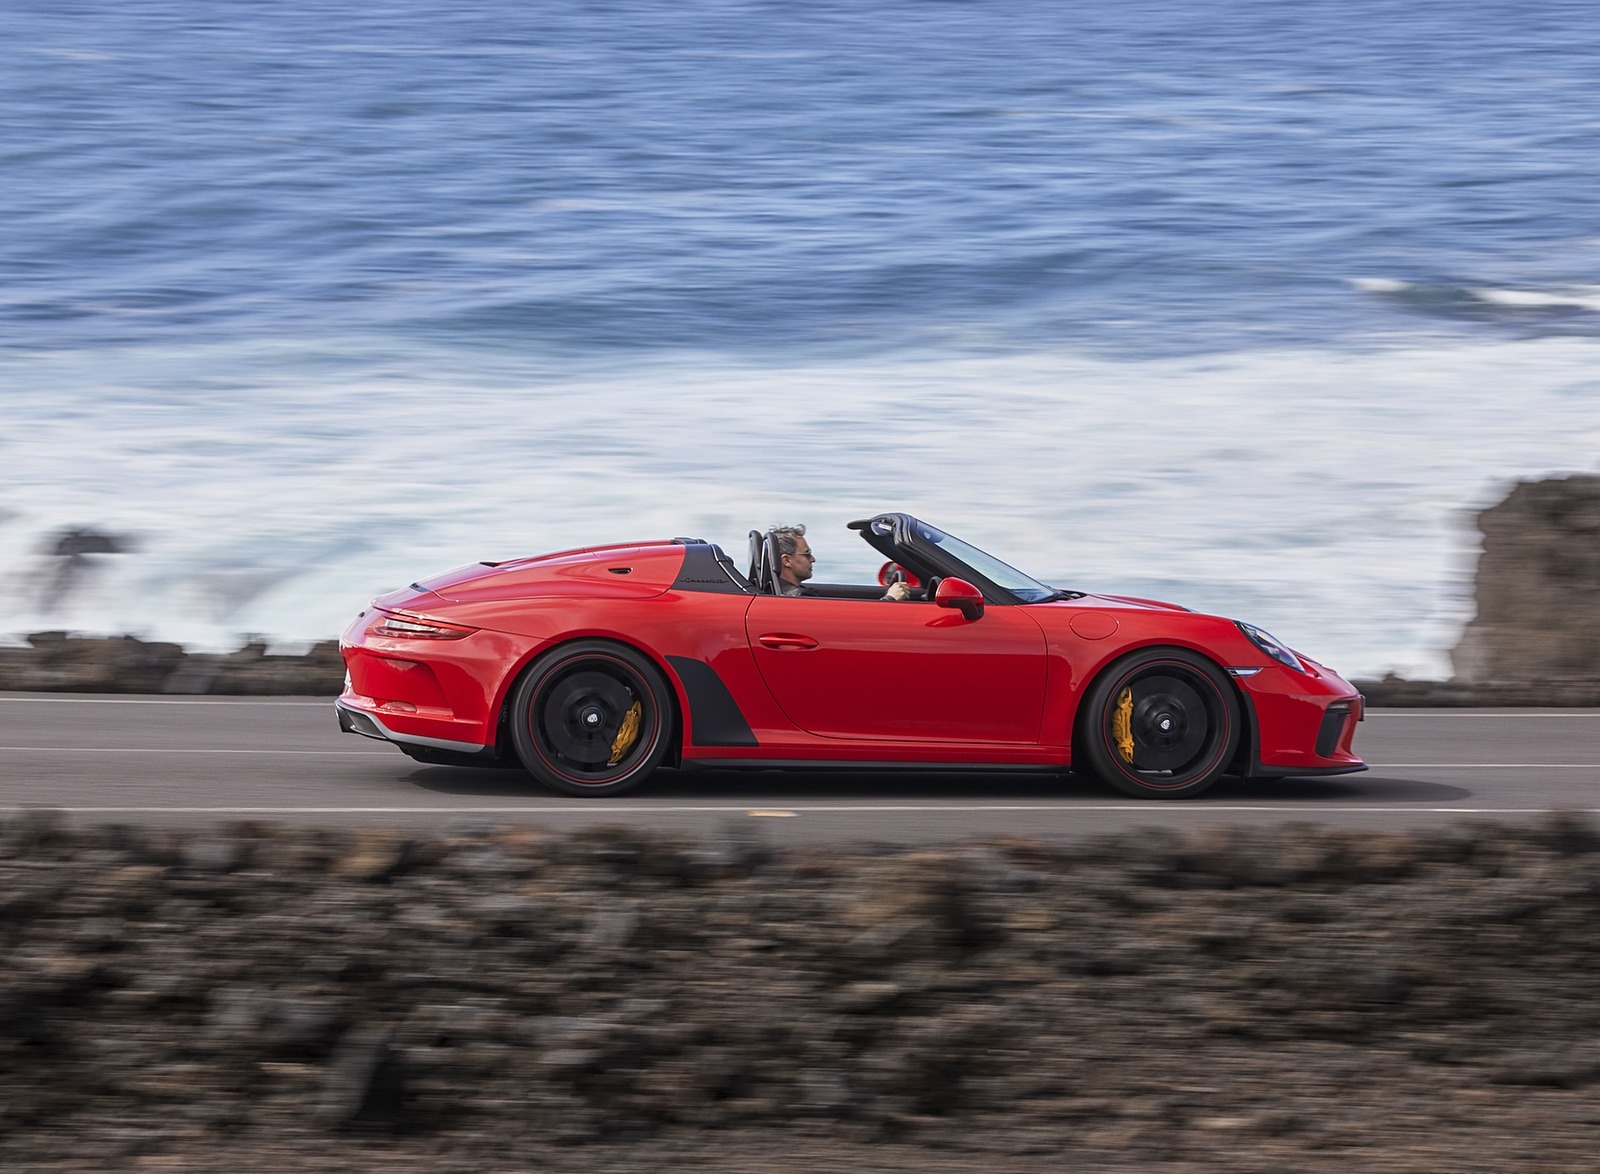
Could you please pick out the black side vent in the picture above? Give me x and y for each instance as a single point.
(1332, 726)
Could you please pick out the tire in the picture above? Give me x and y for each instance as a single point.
(569, 713)
(1160, 724)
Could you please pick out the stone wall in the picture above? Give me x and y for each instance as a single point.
(259, 998)
(54, 662)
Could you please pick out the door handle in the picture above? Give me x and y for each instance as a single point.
(787, 641)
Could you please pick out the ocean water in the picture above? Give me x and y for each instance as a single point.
(1242, 304)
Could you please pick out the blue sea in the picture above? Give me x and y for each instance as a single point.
(1250, 305)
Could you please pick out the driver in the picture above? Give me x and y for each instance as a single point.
(796, 562)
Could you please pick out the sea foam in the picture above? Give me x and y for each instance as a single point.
(1326, 495)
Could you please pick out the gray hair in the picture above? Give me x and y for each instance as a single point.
(786, 536)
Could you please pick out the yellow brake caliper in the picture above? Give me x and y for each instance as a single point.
(628, 734)
(1122, 725)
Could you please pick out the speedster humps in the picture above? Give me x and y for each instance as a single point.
(594, 668)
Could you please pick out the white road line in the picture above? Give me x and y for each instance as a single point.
(1479, 713)
(1384, 766)
(379, 751)
(235, 701)
(1198, 809)
(376, 751)
(888, 768)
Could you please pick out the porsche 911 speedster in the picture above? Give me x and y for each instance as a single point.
(594, 668)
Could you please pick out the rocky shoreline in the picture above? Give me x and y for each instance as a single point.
(56, 662)
(259, 998)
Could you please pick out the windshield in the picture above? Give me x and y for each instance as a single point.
(1024, 587)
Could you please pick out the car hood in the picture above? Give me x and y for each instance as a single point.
(1124, 601)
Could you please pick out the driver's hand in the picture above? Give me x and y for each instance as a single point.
(898, 592)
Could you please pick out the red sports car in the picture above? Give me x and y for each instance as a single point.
(596, 667)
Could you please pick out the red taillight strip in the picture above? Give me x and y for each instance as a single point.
(403, 626)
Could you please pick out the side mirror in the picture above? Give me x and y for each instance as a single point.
(961, 595)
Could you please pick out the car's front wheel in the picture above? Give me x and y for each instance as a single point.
(591, 718)
(1160, 724)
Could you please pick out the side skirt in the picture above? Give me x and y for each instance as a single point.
(836, 764)
(1307, 772)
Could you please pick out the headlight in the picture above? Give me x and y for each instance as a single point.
(1267, 644)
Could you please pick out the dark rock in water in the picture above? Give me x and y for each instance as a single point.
(1535, 640)
(1538, 586)
(83, 540)
(70, 549)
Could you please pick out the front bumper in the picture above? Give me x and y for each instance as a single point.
(1301, 724)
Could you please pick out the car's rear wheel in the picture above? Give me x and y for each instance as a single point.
(1160, 724)
(591, 718)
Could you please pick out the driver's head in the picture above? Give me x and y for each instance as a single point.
(795, 559)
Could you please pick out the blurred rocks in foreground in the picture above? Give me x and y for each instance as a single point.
(263, 998)
(55, 662)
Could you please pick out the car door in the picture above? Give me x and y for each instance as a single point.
(848, 668)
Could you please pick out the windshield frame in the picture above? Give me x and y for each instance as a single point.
(926, 550)
(1022, 586)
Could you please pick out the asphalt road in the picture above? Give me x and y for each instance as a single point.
(191, 761)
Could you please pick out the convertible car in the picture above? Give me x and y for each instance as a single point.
(594, 668)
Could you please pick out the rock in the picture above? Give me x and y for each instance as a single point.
(1395, 692)
(867, 998)
(566, 1063)
(824, 1093)
(1538, 586)
(376, 855)
(214, 853)
(507, 913)
(36, 830)
(611, 928)
(1563, 1067)
(364, 1083)
(58, 662)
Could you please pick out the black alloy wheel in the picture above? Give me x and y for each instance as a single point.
(1160, 724)
(591, 718)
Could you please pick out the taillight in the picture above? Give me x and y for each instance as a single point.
(388, 623)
